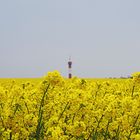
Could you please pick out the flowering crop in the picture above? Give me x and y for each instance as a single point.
(70, 109)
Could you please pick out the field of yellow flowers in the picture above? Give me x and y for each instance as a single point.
(55, 108)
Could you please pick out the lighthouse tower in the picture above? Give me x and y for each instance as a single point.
(69, 68)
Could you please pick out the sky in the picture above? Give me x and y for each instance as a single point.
(101, 36)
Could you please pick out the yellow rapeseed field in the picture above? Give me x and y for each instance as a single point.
(55, 108)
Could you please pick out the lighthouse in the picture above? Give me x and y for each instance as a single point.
(69, 68)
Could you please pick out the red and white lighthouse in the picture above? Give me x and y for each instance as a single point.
(69, 68)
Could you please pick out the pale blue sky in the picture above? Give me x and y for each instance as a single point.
(101, 36)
